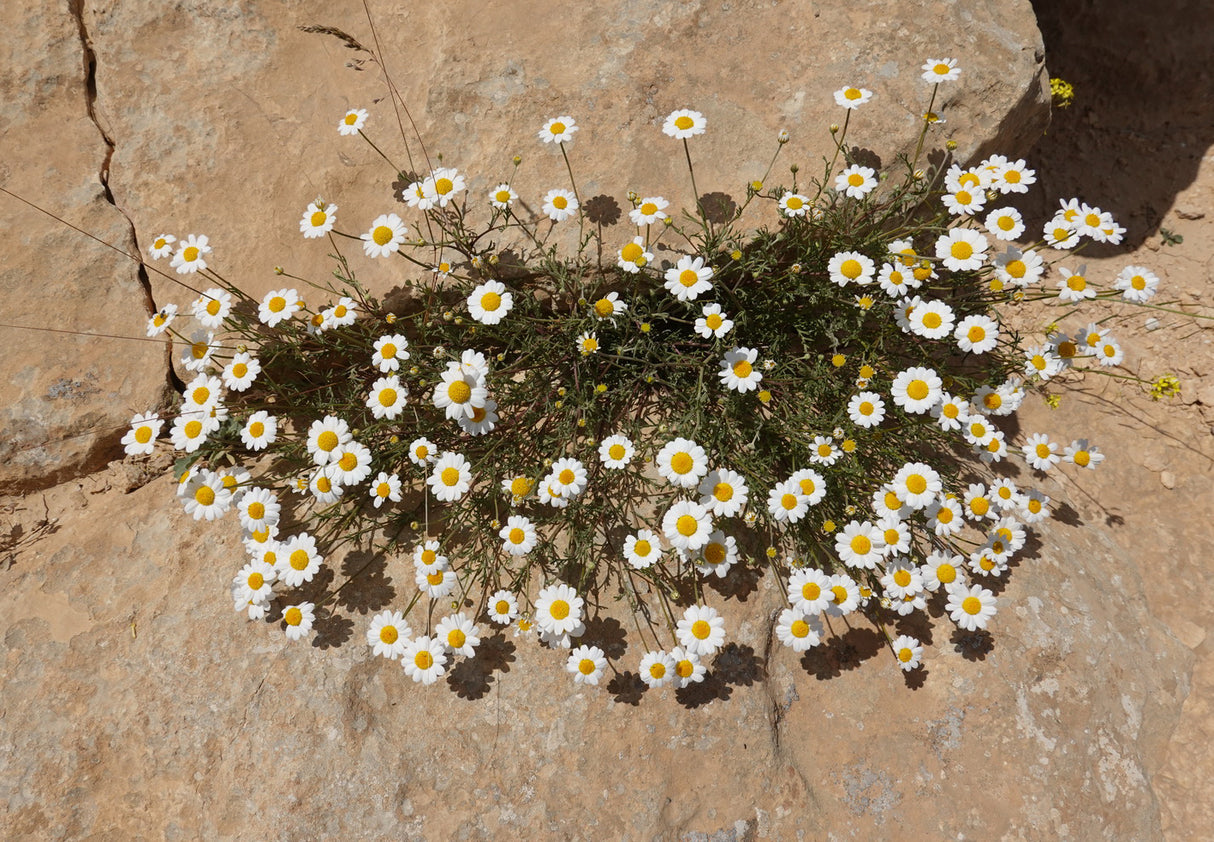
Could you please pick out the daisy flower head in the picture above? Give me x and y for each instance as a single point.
(682, 463)
(459, 392)
(901, 579)
(1074, 286)
(1041, 361)
(809, 484)
(389, 352)
(518, 535)
(298, 619)
(1083, 454)
(451, 477)
(254, 581)
(723, 492)
(649, 211)
(586, 664)
(917, 484)
(609, 306)
(917, 390)
(1040, 452)
(422, 452)
(962, 249)
(191, 255)
(797, 630)
(385, 237)
(688, 669)
(786, 503)
(642, 549)
(944, 516)
(1003, 492)
(559, 204)
(941, 569)
(212, 307)
(388, 635)
(318, 220)
(908, 651)
(701, 630)
(162, 246)
(424, 659)
(809, 590)
(324, 485)
(1034, 507)
(207, 497)
(738, 370)
(1004, 223)
(938, 70)
(859, 544)
(160, 322)
(241, 371)
(558, 609)
(688, 278)
(977, 430)
(482, 419)
(616, 451)
(713, 322)
(278, 304)
(895, 533)
(353, 121)
(657, 669)
(964, 202)
(970, 608)
(385, 487)
(793, 205)
(458, 634)
(260, 431)
(341, 314)
(1109, 353)
(1060, 234)
(896, 281)
(852, 98)
(977, 334)
(851, 267)
(502, 608)
(866, 409)
(856, 181)
(633, 256)
(824, 451)
(1014, 177)
(843, 595)
(436, 583)
(558, 130)
(443, 185)
(718, 555)
(932, 320)
(490, 302)
(1137, 283)
(502, 196)
(298, 560)
(259, 509)
(950, 412)
(190, 430)
(325, 436)
(140, 440)
(687, 525)
(684, 124)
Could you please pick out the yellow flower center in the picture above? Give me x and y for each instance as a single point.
(700, 629)
(811, 591)
(198, 350)
(566, 477)
(808, 487)
(866, 408)
(689, 278)
(742, 369)
(517, 536)
(917, 390)
(604, 307)
(1043, 451)
(293, 616)
(685, 669)
(382, 235)
(318, 219)
(1082, 459)
(789, 501)
(713, 321)
(642, 548)
(459, 391)
(193, 429)
(559, 609)
(436, 578)
(683, 122)
(855, 180)
(389, 634)
(799, 628)
(681, 462)
(616, 452)
(824, 450)
(860, 545)
(490, 301)
(520, 486)
(387, 397)
(902, 577)
(946, 573)
(423, 659)
(1077, 283)
(961, 250)
(351, 119)
(838, 594)
(631, 252)
(502, 196)
(560, 202)
(327, 441)
(205, 495)
(941, 69)
(714, 553)
(649, 208)
(851, 269)
(687, 525)
(852, 93)
(348, 461)
(383, 489)
(256, 510)
(931, 321)
(971, 605)
(723, 491)
(450, 477)
(422, 451)
(502, 607)
(1006, 223)
(143, 435)
(444, 186)
(190, 254)
(323, 485)
(905, 655)
(794, 203)
(657, 670)
(256, 429)
(299, 559)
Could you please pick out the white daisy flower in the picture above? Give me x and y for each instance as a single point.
(385, 237)
(490, 302)
(932, 320)
(970, 608)
(389, 634)
(559, 204)
(977, 334)
(326, 436)
(723, 492)
(718, 555)
(559, 130)
(503, 608)
(793, 205)
(1060, 234)
(502, 196)
(586, 664)
(917, 484)
(160, 322)
(682, 462)
(785, 503)
(649, 211)
(797, 630)
(844, 595)
(964, 202)
(443, 185)
(738, 371)
(856, 181)
(687, 525)
(859, 544)
(1080, 452)
(298, 560)
(851, 266)
(852, 98)
(824, 451)
(352, 122)
(809, 484)
(241, 371)
(610, 304)
(1137, 283)
(1020, 269)
(298, 619)
(207, 498)
(587, 343)
(1109, 353)
(1040, 452)
(642, 549)
(962, 249)
(212, 307)
(701, 630)
(435, 584)
(318, 220)
(385, 487)
(387, 397)
(684, 124)
(567, 477)
(482, 420)
(657, 669)
(162, 246)
(389, 352)
(938, 70)
(895, 533)
(458, 634)
(1004, 223)
(459, 392)
(941, 569)
(1014, 177)
(896, 281)
(140, 440)
(518, 535)
(944, 516)
(451, 477)
(278, 304)
(633, 256)
(866, 409)
(422, 452)
(190, 430)
(688, 278)
(1074, 286)
(713, 322)
(1034, 507)
(909, 652)
(424, 659)
(558, 609)
(809, 590)
(616, 451)
(688, 669)
(258, 509)
(259, 431)
(191, 255)
(916, 390)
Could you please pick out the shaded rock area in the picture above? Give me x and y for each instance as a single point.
(135, 704)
